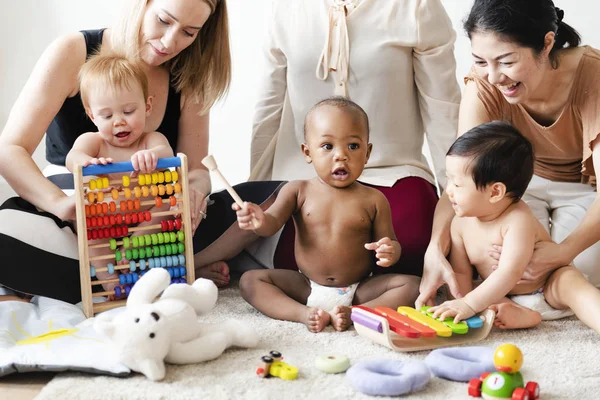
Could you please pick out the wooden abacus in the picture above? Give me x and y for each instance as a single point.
(164, 245)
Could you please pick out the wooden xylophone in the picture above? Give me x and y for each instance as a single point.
(407, 329)
(113, 230)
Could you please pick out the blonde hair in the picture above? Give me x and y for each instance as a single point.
(201, 71)
(110, 71)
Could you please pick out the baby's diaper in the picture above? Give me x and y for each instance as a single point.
(327, 297)
(536, 302)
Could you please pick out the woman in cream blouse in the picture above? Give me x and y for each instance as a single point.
(395, 59)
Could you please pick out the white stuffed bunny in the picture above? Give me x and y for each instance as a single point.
(147, 333)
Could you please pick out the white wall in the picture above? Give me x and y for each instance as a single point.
(29, 25)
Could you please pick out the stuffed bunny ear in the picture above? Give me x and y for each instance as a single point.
(105, 325)
(152, 369)
(149, 287)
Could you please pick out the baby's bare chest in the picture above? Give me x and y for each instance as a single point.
(342, 217)
(479, 243)
(119, 154)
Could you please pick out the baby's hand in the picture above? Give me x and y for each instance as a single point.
(250, 216)
(384, 251)
(459, 309)
(144, 161)
(98, 161)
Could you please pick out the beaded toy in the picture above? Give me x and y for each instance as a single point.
(108, 213)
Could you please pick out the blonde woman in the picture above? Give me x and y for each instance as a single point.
(184, 47)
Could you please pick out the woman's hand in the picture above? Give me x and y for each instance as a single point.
(64, 208)
(547, 256)
(436, 272)
(198, 206)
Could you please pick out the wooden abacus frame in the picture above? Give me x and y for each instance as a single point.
(180, 163)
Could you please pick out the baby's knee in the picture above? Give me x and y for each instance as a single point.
(409, 284)
(563, 275)
(248, 282)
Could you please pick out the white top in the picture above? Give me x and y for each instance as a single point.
(395, 58)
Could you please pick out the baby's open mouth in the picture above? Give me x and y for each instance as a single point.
(340, 173)
(122, 135)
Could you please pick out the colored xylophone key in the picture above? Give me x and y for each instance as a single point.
(474, 322)
(399, 327)
(411, 323)
(439, 328)
(461, 328)
(365, 320)
(403, 325)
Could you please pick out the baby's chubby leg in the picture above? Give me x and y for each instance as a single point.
(568, 288)
(388, 290)
(282, 294)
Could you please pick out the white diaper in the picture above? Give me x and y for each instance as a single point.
(327, 297)
(537, 302)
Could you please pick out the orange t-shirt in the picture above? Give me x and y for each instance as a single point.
(562, 150)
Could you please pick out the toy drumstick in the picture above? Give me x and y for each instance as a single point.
(210, 163)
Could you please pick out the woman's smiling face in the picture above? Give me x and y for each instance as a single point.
(169, 26)
(515, 70)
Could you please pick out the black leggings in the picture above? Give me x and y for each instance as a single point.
(39, 251)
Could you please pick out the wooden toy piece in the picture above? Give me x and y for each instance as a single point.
(387, 337)
(332, 363)
(275, 355)
(461, 328)
(283, 371)
(264, 366)
(210, 163)
(437, 326)
(272, 365)
(166, 245)
(507, 382)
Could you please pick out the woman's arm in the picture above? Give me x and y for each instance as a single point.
(435, 78)
(53, 79)
(193, 142)
(269, 106)
(550, 256)
(436, 269)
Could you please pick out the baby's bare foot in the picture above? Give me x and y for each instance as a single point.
(218, 272)
(514, 316)
(316, 319)
(340, 316)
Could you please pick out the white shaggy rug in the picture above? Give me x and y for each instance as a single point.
(562, 356)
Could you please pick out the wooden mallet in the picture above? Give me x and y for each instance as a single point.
(210, 163)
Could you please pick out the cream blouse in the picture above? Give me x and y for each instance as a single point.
(393, 57)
